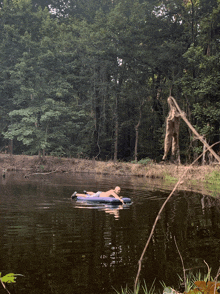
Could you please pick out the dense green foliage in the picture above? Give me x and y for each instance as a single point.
(91, 78)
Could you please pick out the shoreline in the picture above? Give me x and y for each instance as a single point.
(165, 175)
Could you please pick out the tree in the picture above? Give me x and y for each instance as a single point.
(200, 82)
(12, 27)
(47, 128)
(44, 87)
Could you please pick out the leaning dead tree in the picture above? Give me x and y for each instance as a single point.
(209, 148)
(172, 130)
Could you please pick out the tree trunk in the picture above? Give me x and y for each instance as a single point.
(116, 129)
(136, 141)
(137, 132)
(172, 132)
(203, 155)
(116, 140)
(11, 147)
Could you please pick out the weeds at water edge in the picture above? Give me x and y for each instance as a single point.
(195, 284)
(139, 290)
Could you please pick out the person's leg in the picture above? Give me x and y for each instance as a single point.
(75, 194)
(89, 193)
(97, 194)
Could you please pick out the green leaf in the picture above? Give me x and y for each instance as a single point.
(9, 278)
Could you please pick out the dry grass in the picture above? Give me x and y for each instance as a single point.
(195, 179)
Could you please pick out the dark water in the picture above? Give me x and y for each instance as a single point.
(62, 246)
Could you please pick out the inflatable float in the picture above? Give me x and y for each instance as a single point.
(109, 200)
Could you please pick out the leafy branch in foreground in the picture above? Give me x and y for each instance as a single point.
(9, 278)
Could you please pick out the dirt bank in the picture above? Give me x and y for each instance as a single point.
(167, 174)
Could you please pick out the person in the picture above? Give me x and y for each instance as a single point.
(108, 193)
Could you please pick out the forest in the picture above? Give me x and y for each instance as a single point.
(91, 78)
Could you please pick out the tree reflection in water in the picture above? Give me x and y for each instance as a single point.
(61, 246)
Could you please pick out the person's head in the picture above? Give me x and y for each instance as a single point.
(117, 189)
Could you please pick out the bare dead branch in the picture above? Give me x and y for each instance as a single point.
(5, 287)
(208, 270)
(183, 116)
(32, 174)
(160, 211)
(218, 273)
(184, 271)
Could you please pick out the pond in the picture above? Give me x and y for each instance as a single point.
(62, 246)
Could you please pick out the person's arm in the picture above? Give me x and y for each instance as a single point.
(117, 197)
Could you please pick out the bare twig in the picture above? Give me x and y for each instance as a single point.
(218, 273)
(208, 276)
(160, 211)
(184, 271)
(5, 287)
(154, 225)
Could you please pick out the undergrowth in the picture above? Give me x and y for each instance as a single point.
(170, 179)
(143, 161)
(194, 284)
(213, 182)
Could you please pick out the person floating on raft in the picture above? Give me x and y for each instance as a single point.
(108, 193)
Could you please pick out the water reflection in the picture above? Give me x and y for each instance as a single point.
(107, 208)
(64, 246)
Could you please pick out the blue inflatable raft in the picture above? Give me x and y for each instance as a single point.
(109, 200)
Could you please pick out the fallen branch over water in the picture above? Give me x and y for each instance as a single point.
(32, 174)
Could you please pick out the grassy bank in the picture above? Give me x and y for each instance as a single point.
(204, 179)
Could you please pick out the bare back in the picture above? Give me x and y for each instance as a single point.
(111, 193)
(108, 193)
